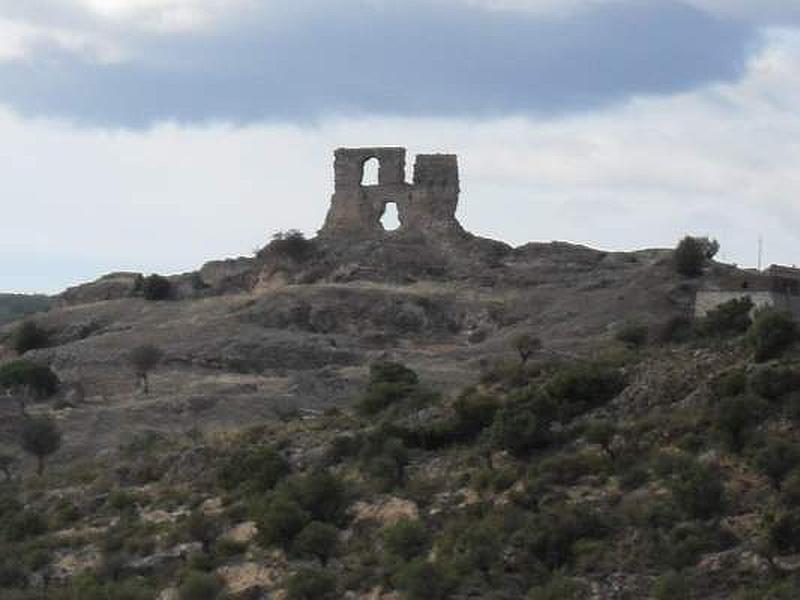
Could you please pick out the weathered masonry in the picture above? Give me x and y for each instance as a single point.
(426, 206)
(777, 286)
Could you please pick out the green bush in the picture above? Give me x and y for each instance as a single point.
(734, 418)
(256, 469)
(296, 502)
(423, 580)
(771, 332)
(698, 491)
(729, 384)
(280, 520)
(550, 535)
(674, 330)
(389, 383)
(583, 386)
(200, 586)
(692, 254)
(30, 336)
(632, 334)
(776, 459)
(311, 584)
(559, 587)
(784, 532)
(407, 539)
(291, 244)
(774, 382)
(729, 318)
(41, 438)
(519, 430)
(790, 488)
(156, 287)
(24, 525)
(24, 376)
(672, 586)
(316, 540)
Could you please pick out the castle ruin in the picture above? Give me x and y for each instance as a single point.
(427, 206)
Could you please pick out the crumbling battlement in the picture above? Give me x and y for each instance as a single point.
(428, 206)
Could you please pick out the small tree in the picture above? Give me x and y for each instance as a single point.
(777, 459)
(318, 540)
(202, 528)
(41, 438)
(692, 254)
(772, 332)
(145, 359)
(30, 336)
(602, 433)
(526, 346)
(156, 287)
(7, 462)
(26, 380)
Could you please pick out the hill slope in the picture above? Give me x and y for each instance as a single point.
(354, 421)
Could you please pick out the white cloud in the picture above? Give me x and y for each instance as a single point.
(166, 15)
(19, 39)
(720, 161)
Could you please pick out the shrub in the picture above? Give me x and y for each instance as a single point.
(202, 528)
(671, 586)
(143, 360)
(774, 382)
(674, 330)
(526, 346)
(550, 535)
(602, 433)
(311, 584)
(790, 488)
(583, 386)
(291, 244)
(255, 468)
(280, 520)
(30, 336)
(519, 430)
(23, 525)
(388, 384)
(298, 501)
(200, 586)
(777, 459)
(692, 254)
(729, 384)
(317, 540)
(784, 532)
(772, 332)
(729, 318)
(735, 417)
(155, 287)
(28, 377)
(41, 438)
(407, 539)
(632, 334)
(474, 412)
(698, 491)
(423, 580)
(559, 587)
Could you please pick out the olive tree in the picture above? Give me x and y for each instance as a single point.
(144, 359)
(526, 346)
(41, 438)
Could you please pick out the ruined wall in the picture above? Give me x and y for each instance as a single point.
(428, 206)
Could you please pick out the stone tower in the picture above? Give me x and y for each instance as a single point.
(427, 206)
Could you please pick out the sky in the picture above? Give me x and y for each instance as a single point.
(154, 135)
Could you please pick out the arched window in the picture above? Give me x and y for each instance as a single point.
(369, 172)
(390, 219)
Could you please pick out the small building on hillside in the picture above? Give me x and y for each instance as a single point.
(776, 286)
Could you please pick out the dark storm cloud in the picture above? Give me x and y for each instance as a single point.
(413, 58)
